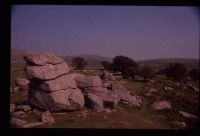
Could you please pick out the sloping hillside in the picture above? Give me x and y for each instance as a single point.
(16, 55)
(162, 63)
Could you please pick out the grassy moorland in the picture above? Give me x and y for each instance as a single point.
(123, 116)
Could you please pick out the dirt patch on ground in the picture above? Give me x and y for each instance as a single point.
(120, 124)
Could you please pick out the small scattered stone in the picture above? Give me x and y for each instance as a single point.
(188, 115)
(37, 112)
(82, 115)
(150, 81)
(178, 124)
(184, 88)
(132, 100)
(17, 122)
(30, 125)
(22, 82)
(152, 90)
(147, 94)
(113, 110)
(11, 90)
(12, 108)
(105, 117)
(18, 113)
(108, 110)
(85, 111)
(15, 89)
(177, 84)
(195, 89)
(23, 107)
(47, 118)
(161, 105)
(166, 88)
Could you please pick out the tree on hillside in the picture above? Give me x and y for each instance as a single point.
(146, 72)
(106, 65)
(120, 63)
(175, 70)
(194, 74)
(131, 72)
(166, 72)
(79, 63)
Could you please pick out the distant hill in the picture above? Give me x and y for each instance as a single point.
(16, 57)
(162, 63)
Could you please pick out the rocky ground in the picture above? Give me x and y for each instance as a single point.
(54, 96)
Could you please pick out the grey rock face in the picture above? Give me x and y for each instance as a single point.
(77, 75)
(94, 102)
(110, 100)
(46, 72)
(95, 90)
(119, 89)
(62, 82)
(132, 100)
(68, 99)
(90, 81)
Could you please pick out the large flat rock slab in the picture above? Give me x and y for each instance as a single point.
(60, 83)
(42, 58)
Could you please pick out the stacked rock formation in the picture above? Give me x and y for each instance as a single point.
(51, 87)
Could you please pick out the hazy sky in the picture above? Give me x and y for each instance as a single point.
(139, 32)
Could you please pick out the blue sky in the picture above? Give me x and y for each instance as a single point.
(139, 32)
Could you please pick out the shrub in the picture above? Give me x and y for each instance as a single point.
(120, 63)
(79, 63)
(130, 72)
(175, 70)
(194, 74)
(146, 72)
(106, 65)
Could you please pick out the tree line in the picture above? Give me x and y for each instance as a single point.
(129, 68)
